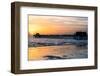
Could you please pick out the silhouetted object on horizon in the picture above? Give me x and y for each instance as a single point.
(37, 35)
(77, 36)
(80, 36)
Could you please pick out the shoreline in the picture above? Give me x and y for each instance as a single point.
(38, 42)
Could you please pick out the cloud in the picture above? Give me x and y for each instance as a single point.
(58, 24)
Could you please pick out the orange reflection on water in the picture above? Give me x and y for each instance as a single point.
(36, 53)
(39, 53)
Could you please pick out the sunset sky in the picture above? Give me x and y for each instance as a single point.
(48, 25)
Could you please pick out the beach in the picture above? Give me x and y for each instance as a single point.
(51, 49)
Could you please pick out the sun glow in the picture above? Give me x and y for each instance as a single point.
(56, 25)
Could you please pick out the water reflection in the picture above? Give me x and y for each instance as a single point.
(57, 52)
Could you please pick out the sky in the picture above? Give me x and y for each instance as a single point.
(51, 25)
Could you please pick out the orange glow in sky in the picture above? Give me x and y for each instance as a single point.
(56, 24)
